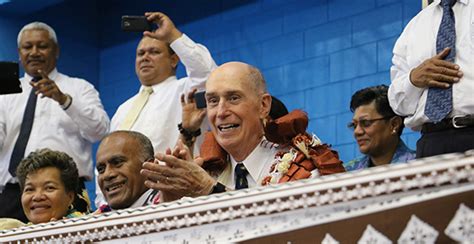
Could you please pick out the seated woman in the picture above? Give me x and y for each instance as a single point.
(48, 181)
(377, 130)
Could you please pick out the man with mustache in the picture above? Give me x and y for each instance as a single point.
(68, 116)
(155, 110)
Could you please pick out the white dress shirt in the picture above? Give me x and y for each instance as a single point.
(71, 131)
(258, 163)
(418, 43)
(161, 115)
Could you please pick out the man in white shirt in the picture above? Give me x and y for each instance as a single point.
(237, 104)
(119, 160)
(418, 67)
(67, 117)
(157, 57)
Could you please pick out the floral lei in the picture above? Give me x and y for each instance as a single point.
(301, 148)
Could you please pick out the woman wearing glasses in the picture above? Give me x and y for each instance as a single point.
(377, 130)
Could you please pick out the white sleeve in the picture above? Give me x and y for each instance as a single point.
(196, 59)
(402, 94)
(87, 112)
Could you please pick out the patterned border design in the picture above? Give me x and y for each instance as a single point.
(429, 173)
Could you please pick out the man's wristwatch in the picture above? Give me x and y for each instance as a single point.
(67, 103)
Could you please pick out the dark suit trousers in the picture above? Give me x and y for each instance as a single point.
(446, 141)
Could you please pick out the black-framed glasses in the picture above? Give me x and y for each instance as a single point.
(364, 123)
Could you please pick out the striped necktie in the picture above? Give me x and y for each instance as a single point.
(439, 101)
(136, 108)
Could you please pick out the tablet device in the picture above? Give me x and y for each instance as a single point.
(9, 81)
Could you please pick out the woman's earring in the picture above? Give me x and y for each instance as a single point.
(394, 132)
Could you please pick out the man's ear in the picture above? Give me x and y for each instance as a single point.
(57, 51)
(174, 60)
(266, 104)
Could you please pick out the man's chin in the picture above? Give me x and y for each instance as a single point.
(229, 144)
(33, 72)
(117, 204)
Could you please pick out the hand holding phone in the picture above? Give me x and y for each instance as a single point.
(135, 23)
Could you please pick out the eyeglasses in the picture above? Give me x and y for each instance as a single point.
(364, 123)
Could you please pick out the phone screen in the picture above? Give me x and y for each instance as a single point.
(200, 99)
(135, 23)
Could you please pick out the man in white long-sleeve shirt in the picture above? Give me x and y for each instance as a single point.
(157, 57)
(431, 54)
(66, 114)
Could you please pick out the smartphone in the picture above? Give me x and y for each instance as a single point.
(135, 23)
(9, 78)
(200, 99)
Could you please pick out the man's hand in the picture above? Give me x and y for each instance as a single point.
(166, 30)
(48, 88)
(436, 72)
(181, 176)
(192, 116)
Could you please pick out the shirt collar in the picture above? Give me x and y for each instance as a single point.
(466, 2)
(141, 200)
(157, 86)
(52, 75)
(253, 162)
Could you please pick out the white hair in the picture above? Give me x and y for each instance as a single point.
(38, 26)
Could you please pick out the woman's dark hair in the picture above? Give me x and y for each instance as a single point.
(43, 158)
(379, 95)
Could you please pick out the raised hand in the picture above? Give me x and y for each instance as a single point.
(192, 116)
(179, 177)
(48, 88)
(166, 30)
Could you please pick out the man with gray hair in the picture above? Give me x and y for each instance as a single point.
(69, 117)
(237, 104)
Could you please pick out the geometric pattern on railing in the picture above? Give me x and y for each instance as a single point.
(373, 236)
(325, 191)
(461, 227)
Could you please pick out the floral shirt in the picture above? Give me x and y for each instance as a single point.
(402, 155)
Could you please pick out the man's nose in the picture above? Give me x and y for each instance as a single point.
(222, 108)
(35, 51)
(109, 173)
(145, 56)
